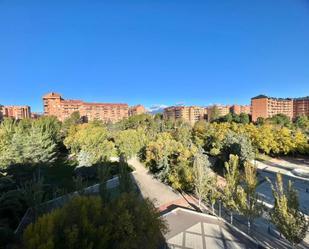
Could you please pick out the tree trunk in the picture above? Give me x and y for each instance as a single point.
(231, 217)
(213, 208)
(249, 225)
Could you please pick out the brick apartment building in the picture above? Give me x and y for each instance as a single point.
(225, 109)
(301, 106)
(266, 107)
(55, 105)
(237, 109)
(136, 110)
(190, 114)
(16, 112)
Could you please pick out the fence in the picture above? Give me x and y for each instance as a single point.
(46, 207)
(261, 230)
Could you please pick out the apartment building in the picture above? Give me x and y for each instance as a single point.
(238, 109)
(136, 110)
(190, 114)
(55, 105)
(300, 106)
(266, 107)
(16, 112)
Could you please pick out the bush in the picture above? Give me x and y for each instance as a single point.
(86, 222)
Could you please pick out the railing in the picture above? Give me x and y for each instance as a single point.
(261, 229)
(46, 207)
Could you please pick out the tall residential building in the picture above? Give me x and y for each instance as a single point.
(136, 110)
(55, 105)
(301, 106)
(237, 109)
(266, 107)
(190, 114)
(16, 112)
(222, 110)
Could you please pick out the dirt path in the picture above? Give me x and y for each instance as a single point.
(150, 187)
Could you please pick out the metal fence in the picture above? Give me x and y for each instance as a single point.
(261, 229)
(46, 207)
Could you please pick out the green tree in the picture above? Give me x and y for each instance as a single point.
(125, 180)
(249, 203)
(104, 176)
(201, 174)
(281, 120)
(74, 119)
(260, 121)
(231, 189)
(237, 144)
(92, 139)
(214, 113)
(286, 215)
(39, 146)
(130, 142)
(244, 118)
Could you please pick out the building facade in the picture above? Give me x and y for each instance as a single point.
(266, 107)
(238, 109)
(301, 106)
(136, 110)
(55, 105)
(190, 114)
(16, 112)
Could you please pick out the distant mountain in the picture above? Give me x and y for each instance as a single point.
(156, 109)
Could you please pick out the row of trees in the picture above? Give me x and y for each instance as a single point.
(239, 195)
(41, 141)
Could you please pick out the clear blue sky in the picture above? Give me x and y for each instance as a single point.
(153, 52)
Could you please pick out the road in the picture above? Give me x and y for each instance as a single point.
(269, 170)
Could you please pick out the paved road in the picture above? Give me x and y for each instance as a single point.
(150, 187)
(300, 184)
(269, 169)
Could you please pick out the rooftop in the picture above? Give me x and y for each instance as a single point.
(190, 229)
(52, 95)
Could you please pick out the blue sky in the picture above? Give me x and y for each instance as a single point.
(153, 52)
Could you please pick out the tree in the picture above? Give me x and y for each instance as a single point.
(104, 175)
(248, 198)
(92, 139)
(170, 160)
(128, 222)
(260, 121)
(34, 193)
(39, 146)
(244, 118)
(214, 113)
(28, 141)
(130, 142)
(125, 180)
(201, 173)
(285, 214)
(237, 144)
(281, 120)
(74, 119)
(230, 198)
(199, 130)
